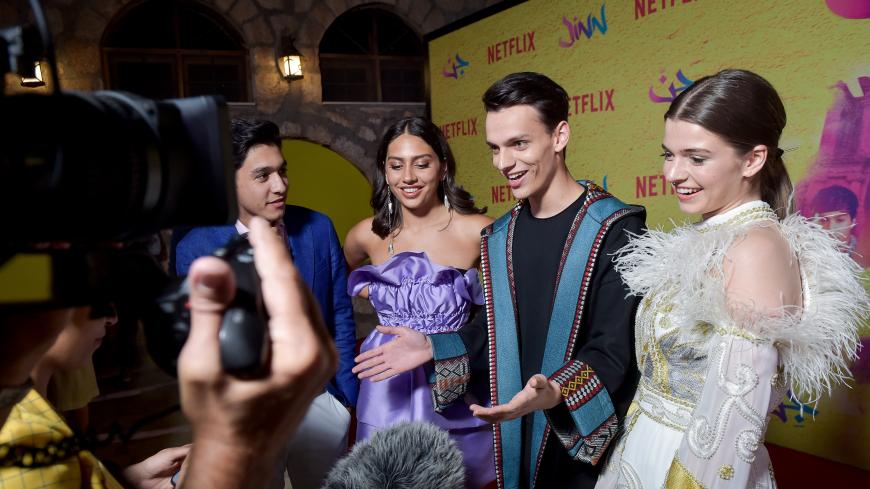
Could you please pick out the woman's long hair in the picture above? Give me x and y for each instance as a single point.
(460, 200)
(745, 110)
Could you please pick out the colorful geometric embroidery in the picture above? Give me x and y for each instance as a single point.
(489, 304)
(451, 381)
(452, 371)
(594, 445)
(594, 421)
(579, 383)
(587, 276)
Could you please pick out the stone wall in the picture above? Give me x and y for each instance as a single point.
(350, 129)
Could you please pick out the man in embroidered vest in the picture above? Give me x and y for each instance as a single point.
(261, 183)
(555, 346)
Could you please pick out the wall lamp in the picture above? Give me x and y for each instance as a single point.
(290, 60)
(33, 81)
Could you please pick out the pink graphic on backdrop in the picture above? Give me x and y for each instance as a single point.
(836, 190)
(850, 9)
(455, 67)
(671, 91)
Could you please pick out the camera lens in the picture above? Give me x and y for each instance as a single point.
(112, 166)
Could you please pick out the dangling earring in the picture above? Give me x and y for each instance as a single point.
(390, 221)
(389, 203)
(444, 189)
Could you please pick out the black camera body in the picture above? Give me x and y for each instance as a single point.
(244, 335)
(112, 166)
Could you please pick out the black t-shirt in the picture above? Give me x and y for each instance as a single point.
(537, 251)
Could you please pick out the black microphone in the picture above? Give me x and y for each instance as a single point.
(407, 455)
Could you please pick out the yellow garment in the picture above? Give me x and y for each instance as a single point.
(680, 478)
(34, 423)
(73, 389)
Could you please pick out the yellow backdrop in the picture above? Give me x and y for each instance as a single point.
(621, 63)
(320, 179)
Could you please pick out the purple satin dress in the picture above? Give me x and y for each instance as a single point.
(409, 290)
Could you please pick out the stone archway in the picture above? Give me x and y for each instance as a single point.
(321, 179)
(350, 130)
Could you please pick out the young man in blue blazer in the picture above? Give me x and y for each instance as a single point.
(261, 184)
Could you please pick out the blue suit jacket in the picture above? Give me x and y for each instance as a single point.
(318, 256)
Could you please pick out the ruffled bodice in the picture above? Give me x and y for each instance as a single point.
(680, 276)
(409, 290)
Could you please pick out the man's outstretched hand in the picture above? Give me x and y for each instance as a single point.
(539, 393)
(408, 350)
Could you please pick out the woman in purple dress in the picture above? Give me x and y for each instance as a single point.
(424, 245)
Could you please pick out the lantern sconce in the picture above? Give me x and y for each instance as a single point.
(33, 81)
(290, 60)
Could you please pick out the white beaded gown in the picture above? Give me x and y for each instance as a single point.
(709, 374)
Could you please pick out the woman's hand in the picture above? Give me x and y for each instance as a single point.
(407, 351)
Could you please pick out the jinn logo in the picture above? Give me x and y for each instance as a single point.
(578, 28)
(455, 67)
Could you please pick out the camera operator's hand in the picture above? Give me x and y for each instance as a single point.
(241, 426)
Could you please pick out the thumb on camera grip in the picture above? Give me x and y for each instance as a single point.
(212, 289)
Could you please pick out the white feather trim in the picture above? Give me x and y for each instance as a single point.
(815, 344)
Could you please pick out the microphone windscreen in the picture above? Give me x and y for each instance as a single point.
(407, 455)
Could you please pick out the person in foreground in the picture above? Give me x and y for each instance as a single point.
(752, 301)
(239, 427)
(58, 456)
(555, 346)
(424, 245)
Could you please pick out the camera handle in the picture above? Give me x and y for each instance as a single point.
(244, 333)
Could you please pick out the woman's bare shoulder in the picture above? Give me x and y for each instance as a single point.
(361, 232)
(761, 267)
(359, 242)
(760, 246)
(472, 224)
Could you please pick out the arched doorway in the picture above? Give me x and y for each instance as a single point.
(323, 180)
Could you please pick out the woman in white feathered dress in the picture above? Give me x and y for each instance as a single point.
(738, 308)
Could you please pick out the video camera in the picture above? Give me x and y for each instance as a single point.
(101, 172)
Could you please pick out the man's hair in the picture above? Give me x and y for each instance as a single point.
(835, 198)
(547, 97)
(248, 133)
